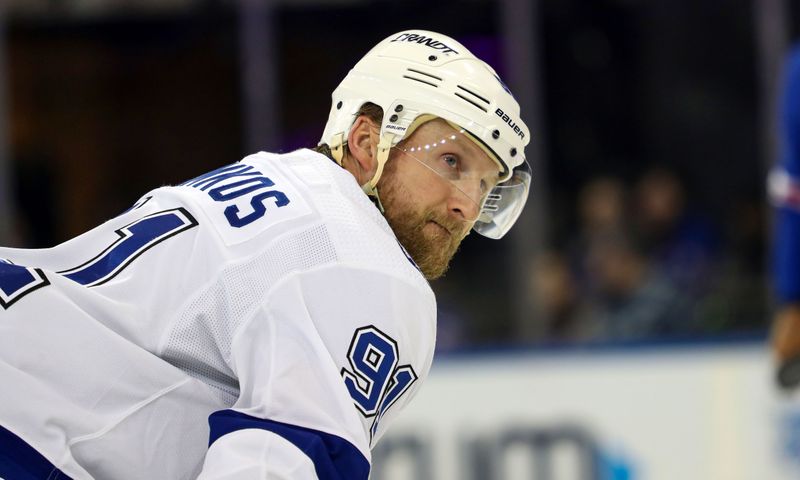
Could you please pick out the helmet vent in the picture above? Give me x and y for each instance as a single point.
(422, 77)
(472, 98)
(462, 97)
(421, 81)
(474, 94)
(434, 77)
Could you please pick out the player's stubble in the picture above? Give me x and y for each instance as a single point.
(431, 245)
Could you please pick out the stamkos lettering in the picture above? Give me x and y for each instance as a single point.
(511, 123)
(227, 184)
(422, 39)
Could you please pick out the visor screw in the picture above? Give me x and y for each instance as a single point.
(398, 108)
(393, 118)
(339, 106)
(496, 134)
(432, 58)
(513, 152)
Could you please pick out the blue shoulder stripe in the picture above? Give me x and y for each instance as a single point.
(334, 457)
(19, 461)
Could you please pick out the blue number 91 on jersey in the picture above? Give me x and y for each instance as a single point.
(375, 381)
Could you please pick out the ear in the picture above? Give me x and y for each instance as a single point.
(362, 144)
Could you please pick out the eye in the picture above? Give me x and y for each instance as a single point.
(451, 161)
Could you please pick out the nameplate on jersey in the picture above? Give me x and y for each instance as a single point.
(245, 201)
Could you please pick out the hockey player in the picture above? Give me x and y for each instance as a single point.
(784, 188)
(268, 319)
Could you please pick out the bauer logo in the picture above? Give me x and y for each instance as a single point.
(423, 40)
(398, 128)
(511, 123)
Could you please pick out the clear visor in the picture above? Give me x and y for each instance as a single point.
(455, 158)
(504, 204)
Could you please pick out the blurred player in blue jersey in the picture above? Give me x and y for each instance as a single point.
(784, 186)
(269, 319)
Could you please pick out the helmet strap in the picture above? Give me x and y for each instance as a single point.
(337, 148)
(371, 187)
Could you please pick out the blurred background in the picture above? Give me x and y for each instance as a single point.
(644, 247)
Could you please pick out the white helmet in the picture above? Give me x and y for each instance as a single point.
(417, 73)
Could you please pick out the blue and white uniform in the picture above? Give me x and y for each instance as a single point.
(784, 186)
(259, 321)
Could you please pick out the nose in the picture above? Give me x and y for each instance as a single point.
(462, 205)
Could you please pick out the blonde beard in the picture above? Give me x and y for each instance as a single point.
(430, 246)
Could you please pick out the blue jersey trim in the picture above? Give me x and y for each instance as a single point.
(20, 461)
(334, 457)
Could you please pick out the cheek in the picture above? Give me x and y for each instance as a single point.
(429, 190)
(417, 187)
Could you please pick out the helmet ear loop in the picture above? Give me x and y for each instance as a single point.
(371, 187)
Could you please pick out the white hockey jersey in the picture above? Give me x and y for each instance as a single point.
(265, 308)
